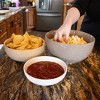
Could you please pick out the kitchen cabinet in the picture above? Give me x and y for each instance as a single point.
(23, 2)
(18, 23)
(31, 17)
(26, 2)
(18, 27)
(10, 26)
(3, 32)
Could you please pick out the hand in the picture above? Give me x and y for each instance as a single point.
(64, 30)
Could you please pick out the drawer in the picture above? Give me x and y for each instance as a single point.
(3, 32)
(2, 28)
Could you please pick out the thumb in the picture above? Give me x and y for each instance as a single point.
(55, 36)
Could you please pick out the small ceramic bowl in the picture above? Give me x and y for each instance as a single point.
(13, 8)
(45, 82)
(23, 55)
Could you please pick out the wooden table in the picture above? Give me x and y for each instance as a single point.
(82, 81)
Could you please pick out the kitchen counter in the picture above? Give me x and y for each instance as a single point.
(9, 14)
(82, 81)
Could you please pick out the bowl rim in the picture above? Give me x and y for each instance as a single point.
(41, 57)
(46, 37)
(24, 49)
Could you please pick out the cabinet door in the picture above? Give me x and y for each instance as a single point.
(3, 37)
(34, 17)
(30, 17)
(23, 2)
(10, 26)
(3, 32)
(19, 27)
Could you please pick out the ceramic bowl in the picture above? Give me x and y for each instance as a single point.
(45, 82)
(71, 53)
(13, 8)
(23, 55)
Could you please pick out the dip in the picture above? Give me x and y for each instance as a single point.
(45, 70)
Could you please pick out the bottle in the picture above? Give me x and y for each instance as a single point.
(4, 5)
(17, 3)
(33, 3)
(0, 4)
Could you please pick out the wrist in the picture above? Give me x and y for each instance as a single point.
(68, 23)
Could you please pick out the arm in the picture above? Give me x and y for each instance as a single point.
(72, 16)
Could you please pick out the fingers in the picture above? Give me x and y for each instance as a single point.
(66, 38)
(62, 32)
(58, 36)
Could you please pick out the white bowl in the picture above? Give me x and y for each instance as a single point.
(45, 82)
(71, 53)
(23, 55)
(13, 8)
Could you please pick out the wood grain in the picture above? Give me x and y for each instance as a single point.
(82, 81)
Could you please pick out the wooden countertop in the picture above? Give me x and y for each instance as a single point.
(82, 81)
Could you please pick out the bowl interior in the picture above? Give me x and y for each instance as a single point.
(87, 37)
(9, 39)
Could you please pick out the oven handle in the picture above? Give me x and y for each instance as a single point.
(47, 14)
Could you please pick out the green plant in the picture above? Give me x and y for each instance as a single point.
(7, 1)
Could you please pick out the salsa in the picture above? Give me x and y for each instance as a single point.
(45, 70)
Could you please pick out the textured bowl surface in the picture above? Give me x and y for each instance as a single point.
(23, 55)
(45, 82)
(71, 53)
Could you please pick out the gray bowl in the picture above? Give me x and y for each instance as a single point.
(71, 53)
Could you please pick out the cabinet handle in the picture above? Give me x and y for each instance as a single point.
(1, 31)
(3, 34)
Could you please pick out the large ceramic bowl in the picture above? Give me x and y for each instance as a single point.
(71, 53)
(45, 82)
(23, 55)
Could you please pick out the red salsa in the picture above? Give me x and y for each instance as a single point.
(45, 70)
